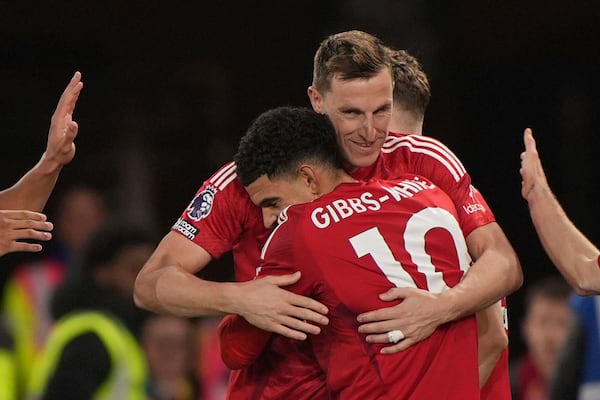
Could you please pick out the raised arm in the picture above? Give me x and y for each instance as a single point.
(32, 191)
(571, 252)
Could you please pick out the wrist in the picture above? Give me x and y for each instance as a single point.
(539, 191)
(48, 165)
(232, 299)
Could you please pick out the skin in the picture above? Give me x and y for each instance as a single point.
(360, 111)
(20, 203)
(545, 329)
(575, 256)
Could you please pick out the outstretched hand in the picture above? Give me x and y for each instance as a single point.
(271, 308)
(531, 166)
(417, 317)
(63, 130)
(16, 225)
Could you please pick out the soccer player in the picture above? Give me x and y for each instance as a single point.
(412, 93)
(351, 241)
(574, 255)
(20, 204)
(352, 84)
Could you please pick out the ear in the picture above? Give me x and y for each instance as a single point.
(316, 100)
(310, 179)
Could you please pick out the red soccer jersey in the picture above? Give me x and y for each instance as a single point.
(221, 216)
(357, 242)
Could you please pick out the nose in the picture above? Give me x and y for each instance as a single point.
(369, 132)
(269, 217)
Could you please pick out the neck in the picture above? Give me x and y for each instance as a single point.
(404, 121)
(333, 179)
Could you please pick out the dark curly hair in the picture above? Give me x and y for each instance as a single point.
(279, 140)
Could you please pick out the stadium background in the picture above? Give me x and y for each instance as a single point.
(170, 88)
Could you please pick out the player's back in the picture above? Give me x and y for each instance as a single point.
(359, 241)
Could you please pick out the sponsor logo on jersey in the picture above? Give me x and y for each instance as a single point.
(475, 205)
(202, 204)
(185, 228)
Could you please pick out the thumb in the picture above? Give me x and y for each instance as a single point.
(395, 294)
(286, 280)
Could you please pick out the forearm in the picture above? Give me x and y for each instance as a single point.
(493, 340)
(172, 290)
(32, 191)
(572, 253)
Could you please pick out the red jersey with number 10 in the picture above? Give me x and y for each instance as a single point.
(221, 218)
(359, 241)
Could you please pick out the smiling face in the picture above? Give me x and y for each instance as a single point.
(360, 110)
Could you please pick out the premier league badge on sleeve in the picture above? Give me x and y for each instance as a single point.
(202, 204)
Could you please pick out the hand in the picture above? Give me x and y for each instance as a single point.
(61, 147)
(17, 225)
(269, 307)
(419, 314)
(531, 166)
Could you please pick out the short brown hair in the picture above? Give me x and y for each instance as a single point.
(411, 86)
(352, 55)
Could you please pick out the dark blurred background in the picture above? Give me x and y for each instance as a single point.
(170, 88)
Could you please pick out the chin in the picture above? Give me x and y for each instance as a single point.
(364, 160)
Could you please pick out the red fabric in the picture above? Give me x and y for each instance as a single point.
(431, 159)
(336, 273)
(229, 221)
(531, 383)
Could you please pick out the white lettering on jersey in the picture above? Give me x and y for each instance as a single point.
(428, 146)
(185, 228)
(371, 242)
(340, 209)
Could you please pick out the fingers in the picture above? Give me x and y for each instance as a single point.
(528, 140)
(396, 294)
(23, 247)
(400, 346)
(284, 280)
(68, 99)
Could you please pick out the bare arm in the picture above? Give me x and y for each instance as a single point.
(570, 251)
(493, 340)
(31, 192)
(167, 284)
(495, 273)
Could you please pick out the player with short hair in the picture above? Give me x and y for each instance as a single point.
(353, 86)
(352, 240)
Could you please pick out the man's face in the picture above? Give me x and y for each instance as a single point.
(272, 196)
(360, 111)
(545, 330)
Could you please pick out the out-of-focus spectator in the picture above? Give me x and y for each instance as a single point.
(92, 351)
(212, 372)
(80, 211)
(544, 329)
(577, 375)
(169, 345)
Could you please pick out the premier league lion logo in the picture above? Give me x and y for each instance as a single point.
(202, 204)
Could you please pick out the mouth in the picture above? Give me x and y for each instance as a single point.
(365, 147)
